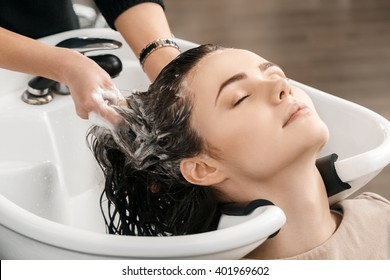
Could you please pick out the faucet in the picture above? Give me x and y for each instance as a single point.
(40, 90)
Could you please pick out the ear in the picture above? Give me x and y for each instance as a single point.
(201, 170)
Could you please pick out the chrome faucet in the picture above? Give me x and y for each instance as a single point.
(40, 90)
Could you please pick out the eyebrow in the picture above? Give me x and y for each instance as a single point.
(241, 76)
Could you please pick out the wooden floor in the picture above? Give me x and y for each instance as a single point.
(339, 46)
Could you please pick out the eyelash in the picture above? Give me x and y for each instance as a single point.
(240, 100)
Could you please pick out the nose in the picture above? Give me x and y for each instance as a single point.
(282, 89)
(274, 91)
(278, 90)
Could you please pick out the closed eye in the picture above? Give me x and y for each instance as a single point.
(240, 100)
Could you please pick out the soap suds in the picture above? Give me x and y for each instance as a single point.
(98, 120)
(104, 98)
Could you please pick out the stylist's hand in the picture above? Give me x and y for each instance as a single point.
(92, 90)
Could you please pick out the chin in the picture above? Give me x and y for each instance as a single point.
(319, 135)
(314, 136)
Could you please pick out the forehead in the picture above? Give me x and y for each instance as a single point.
(222, 64)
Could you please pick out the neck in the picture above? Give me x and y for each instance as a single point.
(301, 194)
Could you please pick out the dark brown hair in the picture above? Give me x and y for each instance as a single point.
(145, 192)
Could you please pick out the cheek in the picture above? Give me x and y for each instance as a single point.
(245, 146)
(259, 149)
(240, 131)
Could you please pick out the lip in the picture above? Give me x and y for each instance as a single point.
(294, 111)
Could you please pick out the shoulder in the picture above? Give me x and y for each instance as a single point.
(364, 205)
(361, 215)
(371, 195)
(373, 198)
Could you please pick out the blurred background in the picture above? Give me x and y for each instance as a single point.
(338, 46)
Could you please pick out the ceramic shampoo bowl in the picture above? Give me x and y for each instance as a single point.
(50, 183)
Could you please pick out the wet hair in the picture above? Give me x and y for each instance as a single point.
(145, 193)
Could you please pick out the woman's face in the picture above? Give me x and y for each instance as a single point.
(246, 110)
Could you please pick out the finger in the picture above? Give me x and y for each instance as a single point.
(114, 96)
(109, 114)
(82, 113)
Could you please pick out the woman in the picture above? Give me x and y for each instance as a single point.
(224, 125)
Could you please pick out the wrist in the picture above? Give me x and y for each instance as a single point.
(158, 59)
(68, 65)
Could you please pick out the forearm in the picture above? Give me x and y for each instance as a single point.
(91, 87)
(141, 25)
(22, 54)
